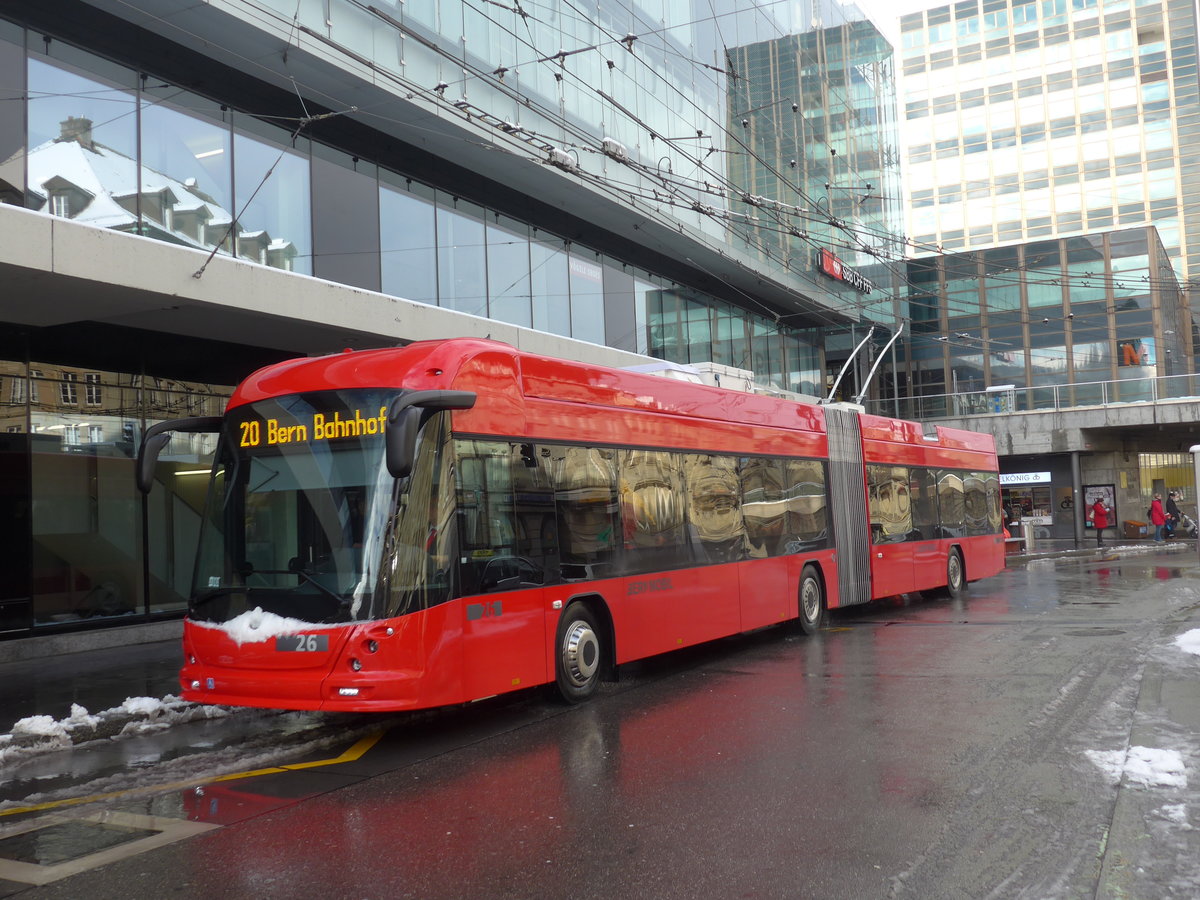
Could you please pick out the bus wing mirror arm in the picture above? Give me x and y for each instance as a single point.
(404, 421)
(158, 436)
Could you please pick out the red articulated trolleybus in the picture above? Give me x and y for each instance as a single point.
(434, 524)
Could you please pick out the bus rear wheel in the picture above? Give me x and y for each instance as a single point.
(812, 601)
(956, 581)
(578, 659)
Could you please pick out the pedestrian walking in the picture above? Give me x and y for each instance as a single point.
(1174, 514)
(1099, 516)
(1158, 517)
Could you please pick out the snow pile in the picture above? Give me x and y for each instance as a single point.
(255, 626)
(36, 735)
(1176, 813)
(149, 707)
(1145, 766)
(1189, 641)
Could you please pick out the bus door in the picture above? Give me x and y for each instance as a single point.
(893, 538)
(929, 553)
(507, 553)
(504, 631)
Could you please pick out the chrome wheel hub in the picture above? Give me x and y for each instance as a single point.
(580, 654)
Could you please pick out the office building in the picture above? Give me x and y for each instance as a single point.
(192, 190)
(1032, 119)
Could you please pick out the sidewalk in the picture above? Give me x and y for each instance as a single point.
(97, 680)
(1051, 547)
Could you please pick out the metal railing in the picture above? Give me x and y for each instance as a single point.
(1043, 398)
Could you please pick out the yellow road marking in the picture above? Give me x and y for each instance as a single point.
(358, 749)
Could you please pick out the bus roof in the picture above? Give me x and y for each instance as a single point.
(541, 397)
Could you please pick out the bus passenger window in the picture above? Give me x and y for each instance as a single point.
(652, 511)
(764, 507)
(923, 490)
(991, 481)
(714, 510)
(588, 514)
(889, 504)
(951, 504)
(807, 525)
(504, 502)
(975, 504)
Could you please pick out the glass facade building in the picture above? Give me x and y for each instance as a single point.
(1070, 312)
(1031, 119)
(570, 170)
(817, 113)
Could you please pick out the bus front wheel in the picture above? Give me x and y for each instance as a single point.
(577, 664)
(812, 601)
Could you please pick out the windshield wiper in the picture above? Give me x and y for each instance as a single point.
(294, 568)
(210, 595)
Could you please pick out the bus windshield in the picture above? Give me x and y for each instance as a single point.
(297, 507)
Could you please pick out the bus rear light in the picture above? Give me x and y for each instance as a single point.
(372, 646)
(355, 664)
(191, 660)
(195, 685)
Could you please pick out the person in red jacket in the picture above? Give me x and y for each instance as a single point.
(1157, 517)
(1100, 519)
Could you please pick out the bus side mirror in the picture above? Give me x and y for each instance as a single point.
(158, 436)
(404, 422)
(402, 441)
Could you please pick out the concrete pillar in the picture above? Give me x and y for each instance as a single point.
(1077, 498)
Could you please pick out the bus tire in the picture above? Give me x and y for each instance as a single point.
(812, 601)
(578, 655)
(956, 576)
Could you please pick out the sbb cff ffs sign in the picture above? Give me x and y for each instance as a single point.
(830, 265)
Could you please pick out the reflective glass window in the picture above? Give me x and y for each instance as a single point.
(764, 506)
(407, 241)
(346, 219)
(505, 515)
(714, 511)
(462, 256)
(889, 504)
(652, 510)
(923, 495)
(187, 175)
(509, 289)
(550, 285)
(951, 504)
(587, 297)
(271, 189)
(979, 518)
(12, 115)
(82, 146)
(643, 300)
(807, 523)
(588, 510)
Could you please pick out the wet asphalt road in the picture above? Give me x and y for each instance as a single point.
(918, 748)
